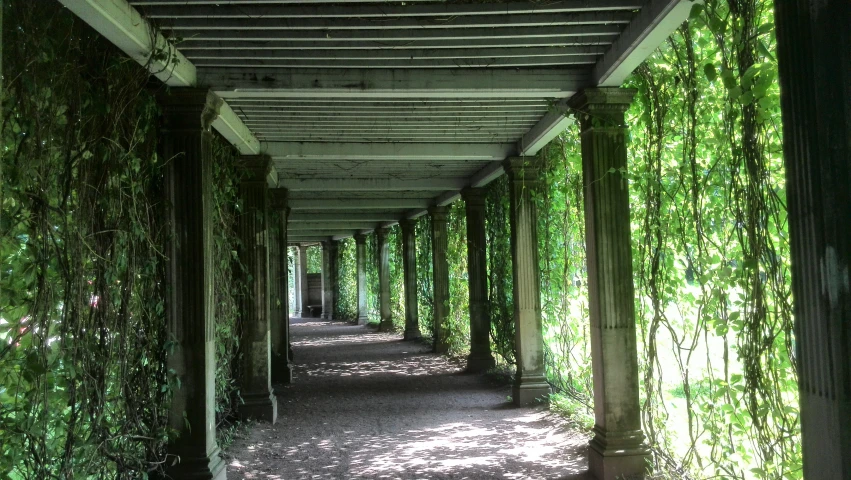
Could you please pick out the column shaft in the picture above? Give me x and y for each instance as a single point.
(814, 55)
(279, 301)
(386, 324)
(530, 385)
(480, 358)
(440, 278)
(186, 138)
(409, 263)
(302, 280)
(617, 448)
(329, 278)
(360, 251)
(255, 343)
(297, 293)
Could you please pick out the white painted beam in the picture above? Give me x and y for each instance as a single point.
(347, 217)
(395, 151)
(122, 25)
(354, 184)
(193, 46)
(413, 83)
(544, 131)
(487, 175)
(351, 225)
(654, 23)
(409, 54)
(447, 198)
(417, 213)
(357, 204)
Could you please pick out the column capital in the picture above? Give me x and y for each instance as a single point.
(474, 196)
(438, 212)
(360, 239)
(256, 168)
(382, 233)
(408, 224)
(187, 109)
(278, 199)
(522, 169)
(602, 107)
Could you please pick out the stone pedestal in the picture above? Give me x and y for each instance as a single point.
(440, 278)
(386, 324)
(282, 370)
(814, 55)
(302, 281)
(297, 284)
(409, 263)
(329, 276)
(480, 358)
(618, 447)
(530, 384)
(186, 137)
(360, 252)
(255, 343)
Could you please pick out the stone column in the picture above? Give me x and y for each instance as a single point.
(302, 281)
(255, 343)
(386, 324)
(530, 385)
(279, 300)
(297, 293)
(409, 263)
(440, 278)
(814, 55)
(618, 448)
(186, 138)
(360, 251)
(480, 358)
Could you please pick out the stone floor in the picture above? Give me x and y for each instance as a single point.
(368, 405)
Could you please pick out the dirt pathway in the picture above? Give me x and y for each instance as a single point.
(368, 405)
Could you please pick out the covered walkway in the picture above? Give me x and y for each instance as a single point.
(366, 404)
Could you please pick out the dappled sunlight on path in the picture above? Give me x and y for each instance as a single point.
(368, 405)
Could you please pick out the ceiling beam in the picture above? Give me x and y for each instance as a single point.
(357, 204)
(443, 10)
(347, 217)
(409, 54)
(481, 83)
(301, 226)
(650, 27)
(486, 175)
(354, 184)
(122, 25)
(552, 124)
(191, 46)
(401, 63)
(396, 151)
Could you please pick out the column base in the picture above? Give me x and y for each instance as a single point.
(411, 334)
(209, 467)
(259, 406)
(618, 455)
(283, 375)
(480, 363)
(325, 316)
(363, 320)
(386, 326)
(529, 391)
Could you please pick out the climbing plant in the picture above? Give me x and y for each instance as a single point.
(372, 286)
(84, 386)
(459, 291)
(500, 282)
(425, 291)
(397, 278)
(346, 307)
(314, 259)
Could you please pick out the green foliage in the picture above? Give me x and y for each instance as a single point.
(314, 259)
(346, 307)
(372, 287)
(425, 277)
(500, 281)
(459, 287)
(84, 386)
(397, 278)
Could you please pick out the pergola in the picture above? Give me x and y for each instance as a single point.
(353, 115)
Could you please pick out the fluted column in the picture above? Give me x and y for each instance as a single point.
(480, 358)
(280, 296)
(409, 263)
(302, 281)
(386, 324)
(618, 448)
(440, 278)
(329, 275)
(530, 385)
(360, 252)
(186, 138)
(297, 293)
(814, 55)
(255, 343)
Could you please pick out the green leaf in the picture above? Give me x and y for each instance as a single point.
(710, 72)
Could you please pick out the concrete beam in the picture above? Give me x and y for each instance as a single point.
(409, 54)
(347, 217)
(296, 227)
(654, 23)
(395, 151)
(193, 46)
(122, 25)
(355, 184)
(413, 83)
(544, 131)
(487, 175)
(447, 198)
(358, 204)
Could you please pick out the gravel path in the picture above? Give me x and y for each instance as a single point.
(368, 405)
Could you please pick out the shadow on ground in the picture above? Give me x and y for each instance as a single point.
(368, 405)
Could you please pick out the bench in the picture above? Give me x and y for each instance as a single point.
(314, 310)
